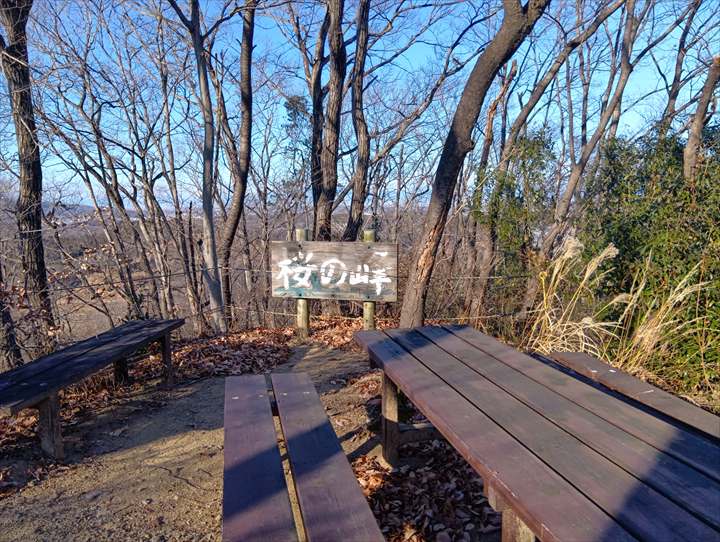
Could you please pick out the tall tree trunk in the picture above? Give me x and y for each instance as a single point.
(359, 180)
(331, 130)
(10, 355)
(517, 23)
(690, 154)
(239, 156)
(16, 67)
(313, 65)
(317, 119)
(210, 268)
(677, 84)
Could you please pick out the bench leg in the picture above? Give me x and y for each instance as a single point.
(513, 528)
(49, 426)
(167, 360)
(120, 369)
(390, 423)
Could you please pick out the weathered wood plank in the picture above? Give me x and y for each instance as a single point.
(256, 507)
(44, 363)
(169, 370)
(548, 504)
(328, 270)
(513, 528)
(49, 429)
(678, 481)
(390, 421)
(331, 502)
(643, 511)
(62, 374)
(640, 391)
(693, 449)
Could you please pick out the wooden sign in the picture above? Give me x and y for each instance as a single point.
(327, 270)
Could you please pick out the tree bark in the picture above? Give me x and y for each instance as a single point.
(10, 356)
(16, 67)
(517, 23)
(210, 270)
(359, 180)
(317, 97)
(692, 148)
(238, 156)
(331, 130)
(676, 85)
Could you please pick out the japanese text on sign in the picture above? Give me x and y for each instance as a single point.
(359, 271)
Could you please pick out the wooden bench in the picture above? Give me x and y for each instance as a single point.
(37, 383)
(256, 505)
(660, 401)
(560, 458)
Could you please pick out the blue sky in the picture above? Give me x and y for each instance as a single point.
(410, 70)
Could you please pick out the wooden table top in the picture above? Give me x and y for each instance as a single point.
(572, 460)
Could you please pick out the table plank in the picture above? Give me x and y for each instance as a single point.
(28, 392)
(256, 507)
(692, 448)
(331, 501)
(676, 480)
(646, 513)
(548, 504)
(640, 391)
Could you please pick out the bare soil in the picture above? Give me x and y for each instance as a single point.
(149, 467)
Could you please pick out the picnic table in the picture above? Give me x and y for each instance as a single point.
(560, 456)
(36, 384)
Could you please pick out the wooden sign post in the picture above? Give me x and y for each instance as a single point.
(305, 270)
(303, 306)
(369, 306)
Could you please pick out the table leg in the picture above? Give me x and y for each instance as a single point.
(513, 528)
(390, 426)
(49, 426)
(165, 341)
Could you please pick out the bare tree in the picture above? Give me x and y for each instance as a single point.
(238, 154)
(518, 21)
(362, 162)
(198, 38)
(10, 355)
(16, 67)
(331, 130)
(690, 154)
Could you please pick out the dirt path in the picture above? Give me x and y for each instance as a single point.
(150, 468)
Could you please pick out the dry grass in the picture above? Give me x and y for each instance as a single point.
(643, 340)
(557, 321)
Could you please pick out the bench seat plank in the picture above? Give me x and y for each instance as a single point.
(550, 506)
(688, 446)
(63, 370)
(561, 433)
(642, 392)
(43, 363)
(256, 506)
(331, 502)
